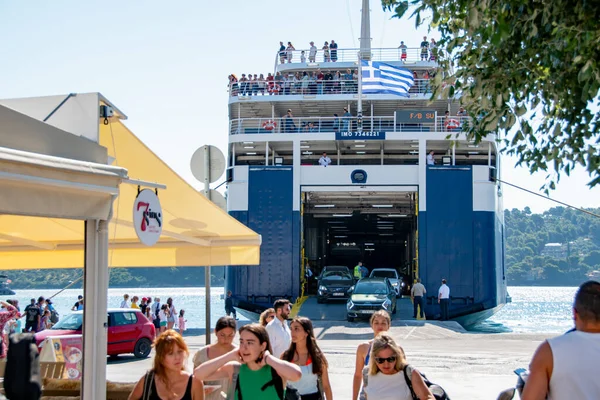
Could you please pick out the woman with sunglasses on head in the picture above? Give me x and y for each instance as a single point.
(168, 378)
(225, 333)
(305, 353)
(384, 376)
(380, 322)
(267, 316)
(259, 374)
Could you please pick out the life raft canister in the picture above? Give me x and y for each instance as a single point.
(269, 125)
(274, 88)
(452, 123)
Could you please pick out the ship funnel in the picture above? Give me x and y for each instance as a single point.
(365, 31)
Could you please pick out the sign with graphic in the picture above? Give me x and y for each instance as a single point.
(358, 176)
(367, 135)
(415, 116)
(67, 349)
(147, 217)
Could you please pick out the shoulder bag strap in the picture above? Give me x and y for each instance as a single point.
(235, 385)
(148, 382)
(408, 377)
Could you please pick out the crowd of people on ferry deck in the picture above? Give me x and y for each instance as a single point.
(311, 82)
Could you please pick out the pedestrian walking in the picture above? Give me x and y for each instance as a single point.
(229, 308)
(383, 376)
(168, 378)
(444, 301)
(278, 329)
(417, 294)
(181, 321)
(260, 375)
(380, 322)
(172, 314)
(33, 316)
(305, 353)
(225, 331)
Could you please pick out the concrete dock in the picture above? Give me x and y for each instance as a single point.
(468, 365)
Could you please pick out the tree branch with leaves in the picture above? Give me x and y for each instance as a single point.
(528, 71)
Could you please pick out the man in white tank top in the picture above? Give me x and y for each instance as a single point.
(566, 367)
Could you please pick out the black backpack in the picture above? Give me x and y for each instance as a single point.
(22, 376)
(438, 392)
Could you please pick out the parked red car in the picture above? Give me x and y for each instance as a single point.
(129, 331)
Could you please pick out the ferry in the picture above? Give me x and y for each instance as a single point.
(404, 189)
(4, 289)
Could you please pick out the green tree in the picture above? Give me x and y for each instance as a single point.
(531, 67)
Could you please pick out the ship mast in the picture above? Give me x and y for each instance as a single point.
(363, 54)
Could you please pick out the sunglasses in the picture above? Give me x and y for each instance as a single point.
(380, 360)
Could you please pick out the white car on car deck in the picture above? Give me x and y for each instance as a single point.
(393, 277)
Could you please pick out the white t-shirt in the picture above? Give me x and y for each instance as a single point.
(124, 304)
(313, 51)
(388, 387)
(430, 160)
(575, 361)
(279, 335)
(444, 291)
(324, 161)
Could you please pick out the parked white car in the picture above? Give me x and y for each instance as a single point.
(393, 277)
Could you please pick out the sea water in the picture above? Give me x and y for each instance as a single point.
(533, 309)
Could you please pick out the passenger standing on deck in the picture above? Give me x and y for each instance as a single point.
(305, 353)
(290, 126)
(312, 52)
(225, 330)
(417, 294)
(229, 308)
(282, 52)
(255, 365)
(444, 300)
(333, 47)
(347, 117)
(278, 329)
(324, 160)
(430, 159)
(566, 367)
(380, 322)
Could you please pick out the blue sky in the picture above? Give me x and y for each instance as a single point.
(165, 64)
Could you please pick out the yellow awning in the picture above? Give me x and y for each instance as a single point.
(196, 232)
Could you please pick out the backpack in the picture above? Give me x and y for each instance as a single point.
(22, 376)
(54, 316)
(275, 380)
(438, 392)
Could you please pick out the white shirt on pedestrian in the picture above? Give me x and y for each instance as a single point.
(279, 335)
(324, 161)
(430, 160)
(444, 292)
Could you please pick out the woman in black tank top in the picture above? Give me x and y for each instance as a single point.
(168, 379)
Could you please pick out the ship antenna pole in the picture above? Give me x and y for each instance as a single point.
(363, 54)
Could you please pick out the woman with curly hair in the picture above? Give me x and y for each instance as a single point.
(168, 378)
(266, 316)
(305, 352)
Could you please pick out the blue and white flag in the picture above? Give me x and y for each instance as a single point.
(382, 78)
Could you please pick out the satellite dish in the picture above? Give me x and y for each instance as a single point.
(216, 163)
(218, 199)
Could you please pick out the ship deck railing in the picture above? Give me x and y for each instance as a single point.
(310, 88)
(412, 55)
(301, 125)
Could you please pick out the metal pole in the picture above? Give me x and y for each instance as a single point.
(360, 109)
(453, 153)
(207, 268)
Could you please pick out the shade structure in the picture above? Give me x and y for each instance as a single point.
(196, 232)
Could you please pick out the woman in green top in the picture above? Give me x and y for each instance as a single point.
(259, 374)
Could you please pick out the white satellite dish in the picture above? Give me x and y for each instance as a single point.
(218, 199)
(216, 163)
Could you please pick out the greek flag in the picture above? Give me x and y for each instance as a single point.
(382, 78)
